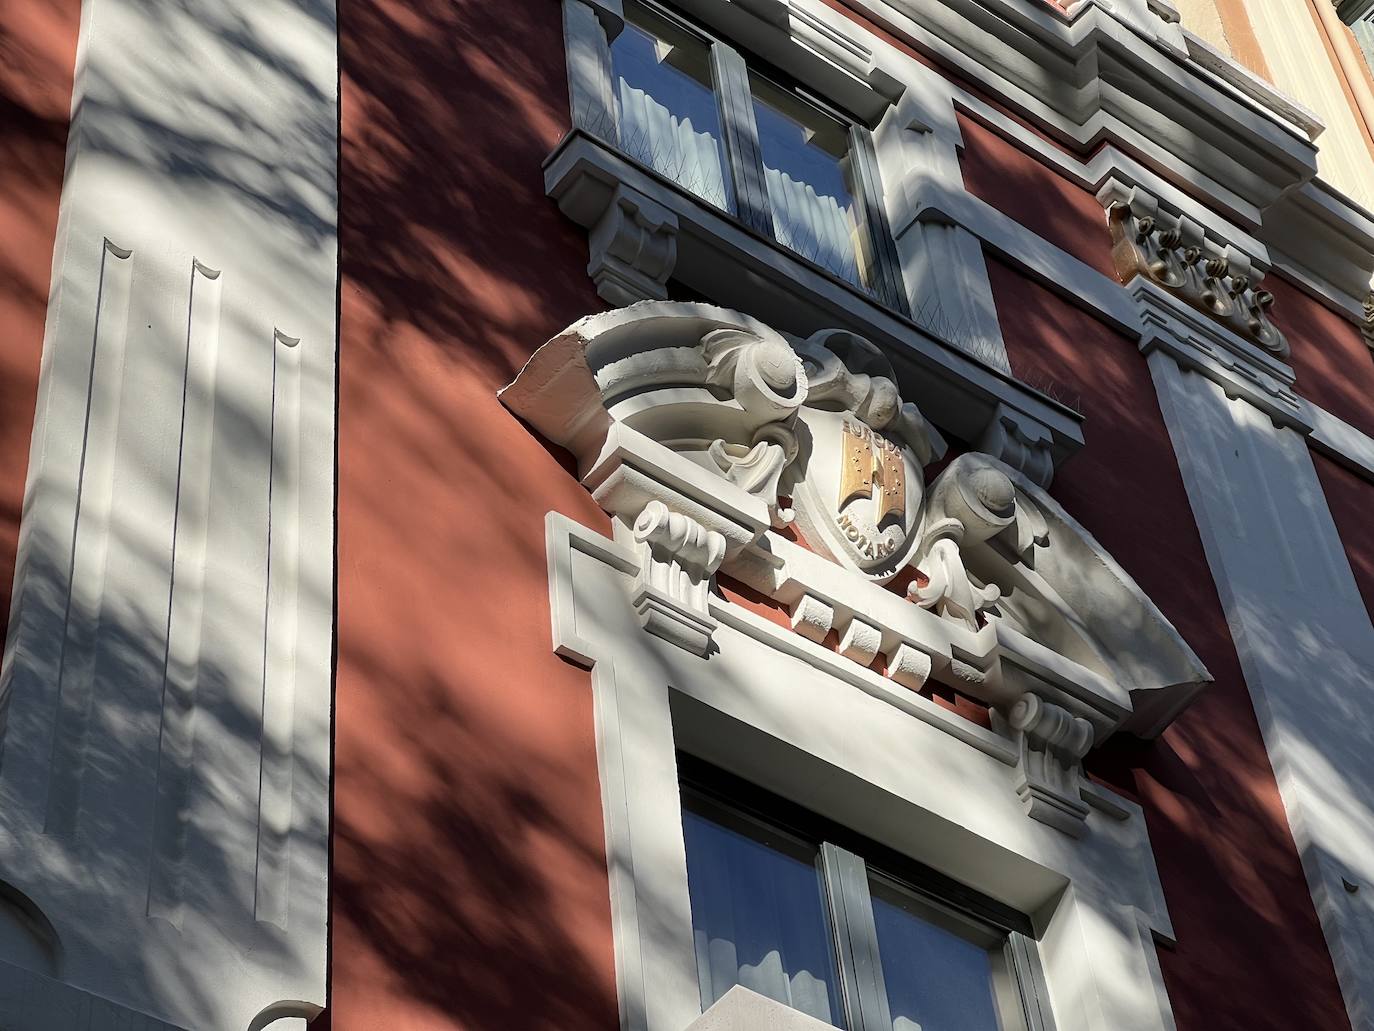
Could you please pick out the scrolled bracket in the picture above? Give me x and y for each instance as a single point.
(1052, 743)
(678, 558)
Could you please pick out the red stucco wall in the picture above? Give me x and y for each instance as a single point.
(469, 877)
(1334, 365)
(1350, 496)
(469, 885)
(37, 57)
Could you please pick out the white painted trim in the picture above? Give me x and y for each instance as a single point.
(1334, 436)
(910, 783)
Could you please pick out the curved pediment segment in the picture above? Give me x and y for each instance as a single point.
(705, 433)
(1055, 584)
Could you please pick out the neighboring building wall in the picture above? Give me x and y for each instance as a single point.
(1301, 47)
(469, 874)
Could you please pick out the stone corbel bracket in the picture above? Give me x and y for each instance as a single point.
(678, 557)
(1017, 440)
(633, 248)
(1051, 744)
(1173, 252)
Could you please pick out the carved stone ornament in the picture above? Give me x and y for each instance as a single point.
(1174, 252)
(795, 466)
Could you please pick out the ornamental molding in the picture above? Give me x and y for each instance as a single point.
(796, 467)
(1176, 253)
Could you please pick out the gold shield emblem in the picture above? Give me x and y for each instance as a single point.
(868, 459)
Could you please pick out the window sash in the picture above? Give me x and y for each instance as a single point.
(748, 181)
(845, 885)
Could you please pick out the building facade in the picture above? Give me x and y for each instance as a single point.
(687, 514)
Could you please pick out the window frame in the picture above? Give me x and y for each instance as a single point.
(730, 68)
(845, 862)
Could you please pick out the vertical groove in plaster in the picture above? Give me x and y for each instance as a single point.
(90, 541)
(1251, 427)
(279, 637)
(186, 596)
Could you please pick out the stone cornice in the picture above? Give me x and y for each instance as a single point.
(1127, 77)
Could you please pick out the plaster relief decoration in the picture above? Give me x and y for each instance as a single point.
(795, 467)
(1175, 253)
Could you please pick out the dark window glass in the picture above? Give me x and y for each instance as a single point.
(940, 970)
(759, 917)
(669, 119)
(808, 168)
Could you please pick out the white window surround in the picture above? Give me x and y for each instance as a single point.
(675, 666)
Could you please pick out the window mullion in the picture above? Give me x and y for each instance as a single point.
(856, 935)
(887, 268)
(741, 138)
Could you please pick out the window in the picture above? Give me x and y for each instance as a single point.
(840, 928)
(692, 109)
(808, 168)
(669, 119)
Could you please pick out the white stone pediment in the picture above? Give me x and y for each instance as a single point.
(710, 438)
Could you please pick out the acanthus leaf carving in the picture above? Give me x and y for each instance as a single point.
(1174, 252)
(678, 557)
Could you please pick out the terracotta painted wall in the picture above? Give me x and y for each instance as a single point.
(37, 58)
(1350, 496)
(469, 878)
(469, 874)
(1334, 365)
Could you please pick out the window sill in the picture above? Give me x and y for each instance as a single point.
(739, 1009)
(669, 234)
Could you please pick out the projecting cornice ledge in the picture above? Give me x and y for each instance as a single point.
(1121, 70)
(795, 467)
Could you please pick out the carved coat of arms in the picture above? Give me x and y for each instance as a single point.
(858, 481)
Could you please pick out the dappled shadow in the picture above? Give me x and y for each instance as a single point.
(174, 130)
(1222, 843)
(469, 876)
(37, 52)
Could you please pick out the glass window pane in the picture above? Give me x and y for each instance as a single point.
(807, 165)
(759, 918)
(668, 114)
(938, 969)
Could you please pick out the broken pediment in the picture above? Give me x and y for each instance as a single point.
(719, 444)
